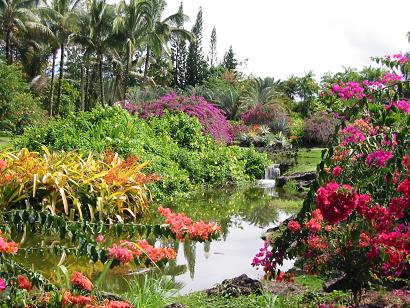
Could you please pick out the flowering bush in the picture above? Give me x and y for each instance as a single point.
(183, 226)
(355, 220)
(211, 118)
(269, 115)
(318, 128)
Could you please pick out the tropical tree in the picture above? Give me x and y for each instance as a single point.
(14, 15)
(130, 22)
(160, 32)
(62, 17)
(262, 91)
(101, 35)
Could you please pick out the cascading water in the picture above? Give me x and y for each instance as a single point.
(271, 173)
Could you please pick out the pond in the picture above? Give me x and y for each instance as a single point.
(243, 213)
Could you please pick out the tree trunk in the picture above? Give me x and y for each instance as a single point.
(50, 112)
(87, 85)
(8, 50)
(127, 69)
(82, 87)
(100, 69)
(146, 62)
(60, 79)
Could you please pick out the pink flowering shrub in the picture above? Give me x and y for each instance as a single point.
(269, 115)
(212, 119)
(355, 219)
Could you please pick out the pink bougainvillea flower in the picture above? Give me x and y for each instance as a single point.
(3, 284)
(378, 158)
(336, 171)
(336, 202)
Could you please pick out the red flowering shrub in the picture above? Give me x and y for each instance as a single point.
(359, 225)
(78, 280)
(269, 115)
(24, 283)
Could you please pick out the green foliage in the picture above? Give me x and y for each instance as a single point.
(307, 160)
(18, 107)
(70, 97)
(150, 291)
(173, 146)
(229, 60)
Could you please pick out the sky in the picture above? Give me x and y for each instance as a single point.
(281, 38)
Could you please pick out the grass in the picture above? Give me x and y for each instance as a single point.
(287, 205)
(307, 160)
(4, 141)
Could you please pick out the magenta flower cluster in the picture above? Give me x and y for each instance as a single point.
(378, 158)
(211, 118)
(352, 135)
(401, 105)
(347, 91)
(398, 57)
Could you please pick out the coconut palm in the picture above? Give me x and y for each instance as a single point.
(130, 22)
(159, 32)
(101, 34)
(14, 15)
(62, 17)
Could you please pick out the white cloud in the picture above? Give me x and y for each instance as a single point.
(281, 38)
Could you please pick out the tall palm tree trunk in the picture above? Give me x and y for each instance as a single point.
(87, 85)
(60, 78)
(82, 88)
(127, 68)
(8, 49)
(147, 62)
(100, 71)
(50, 112)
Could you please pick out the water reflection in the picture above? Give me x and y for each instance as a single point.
(243, 214)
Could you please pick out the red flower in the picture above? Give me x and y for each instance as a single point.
(293, 226)
(336, 202)
(122, 254)
(314, 225)
(336, 171)
(81, 282)
(117, 304)
(24, 283)
(70, 299)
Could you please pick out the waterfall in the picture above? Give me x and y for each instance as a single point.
(272, 172)
(268, 182)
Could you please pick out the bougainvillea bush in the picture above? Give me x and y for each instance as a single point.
(273, 116)
(355, 220)
(318, 128)
(212, 119)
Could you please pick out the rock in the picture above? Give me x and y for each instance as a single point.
(304, 179)
(175, 305)
(242, 285)
(338, 283)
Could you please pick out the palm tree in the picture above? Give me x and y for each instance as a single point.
(101, 34)
(62, 16)
(159, 32)
(131, 22)
(262, 91)
(14, 15)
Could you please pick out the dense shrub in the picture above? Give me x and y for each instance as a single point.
(212, 119)
(355, 219)
(173, 145)
(267, 114)
(318, 128)
(18, 107)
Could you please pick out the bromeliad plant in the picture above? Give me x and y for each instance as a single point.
(355, 220)
(79, 187)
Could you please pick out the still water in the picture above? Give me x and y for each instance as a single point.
(243, 213)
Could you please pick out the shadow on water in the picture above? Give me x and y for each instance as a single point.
(243, 213)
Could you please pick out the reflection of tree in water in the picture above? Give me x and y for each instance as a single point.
(207, 249)
(190, 254)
